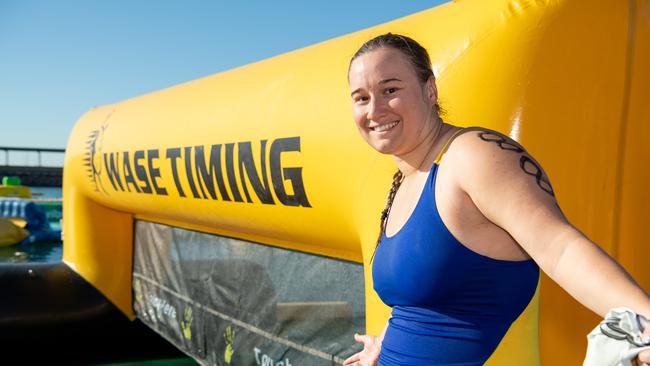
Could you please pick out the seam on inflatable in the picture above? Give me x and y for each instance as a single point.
(625, 115)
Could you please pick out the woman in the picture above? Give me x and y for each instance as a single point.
(469, 217)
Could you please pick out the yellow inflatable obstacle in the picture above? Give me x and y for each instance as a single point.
(213, 201)
(10, 233)
(11, 187)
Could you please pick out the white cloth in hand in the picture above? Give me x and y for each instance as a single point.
(617, 340)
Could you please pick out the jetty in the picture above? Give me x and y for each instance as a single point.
(38, 174)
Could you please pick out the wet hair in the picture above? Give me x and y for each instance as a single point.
(414, 52)
(397, 181)
(419, 59)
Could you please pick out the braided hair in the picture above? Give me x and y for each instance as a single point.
(397, 181)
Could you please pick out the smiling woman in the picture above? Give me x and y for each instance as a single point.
(457, 258)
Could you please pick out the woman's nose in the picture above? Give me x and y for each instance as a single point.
(376, 108)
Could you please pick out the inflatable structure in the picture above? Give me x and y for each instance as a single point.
(236, 214)
(34, 217)
(11, 187)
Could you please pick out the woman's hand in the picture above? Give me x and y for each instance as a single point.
(369, 356)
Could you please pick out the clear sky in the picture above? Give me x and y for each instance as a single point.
(60, 58)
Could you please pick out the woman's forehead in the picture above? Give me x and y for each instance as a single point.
(378, 65)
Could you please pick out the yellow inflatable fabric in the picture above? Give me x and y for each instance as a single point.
(10, 233)
(15, 191)
(568, 79)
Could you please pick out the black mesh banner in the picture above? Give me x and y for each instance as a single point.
(226, 301)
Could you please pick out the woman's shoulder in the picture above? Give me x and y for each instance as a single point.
(475, 150)
(478, 136)
(480, 157)
(472, 143)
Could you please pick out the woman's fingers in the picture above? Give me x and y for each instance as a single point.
(644, 357)
(352, 359)
(368, 356)
(361, 338)
(365, 339)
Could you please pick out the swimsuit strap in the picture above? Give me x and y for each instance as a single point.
(448, 142)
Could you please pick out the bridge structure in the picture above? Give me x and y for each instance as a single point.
(39, 174)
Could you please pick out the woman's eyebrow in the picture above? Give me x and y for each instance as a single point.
(380, 82)
(389, 80)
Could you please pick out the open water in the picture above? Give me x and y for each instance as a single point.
(47, 192)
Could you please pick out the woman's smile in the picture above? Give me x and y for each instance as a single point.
(384, 127)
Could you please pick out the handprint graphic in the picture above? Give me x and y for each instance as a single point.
(229, 336)
(186, 323)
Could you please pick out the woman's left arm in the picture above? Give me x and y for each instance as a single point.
(512, 190)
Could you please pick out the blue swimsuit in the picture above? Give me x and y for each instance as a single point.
(451, 305)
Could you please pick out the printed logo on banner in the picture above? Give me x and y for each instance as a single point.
(211, 172)
(263, 359)
(163, 315)
(92, 159)
(140, 305)
(186, 323)
(161, 309)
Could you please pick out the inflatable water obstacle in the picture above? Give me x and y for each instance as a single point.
(26, 220)
(243, 235)
(32, 217)
(11, 187)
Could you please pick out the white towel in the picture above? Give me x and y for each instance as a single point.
(617, 340)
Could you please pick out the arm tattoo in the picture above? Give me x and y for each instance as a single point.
(499, 140)
(525, 163)
(534, 170)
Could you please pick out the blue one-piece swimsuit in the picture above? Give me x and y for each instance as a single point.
(451, 305)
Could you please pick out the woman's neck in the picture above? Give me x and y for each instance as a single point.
(421, 157)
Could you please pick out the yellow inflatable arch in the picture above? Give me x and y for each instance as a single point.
(268, 154)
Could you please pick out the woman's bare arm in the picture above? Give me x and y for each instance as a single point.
(512, 190)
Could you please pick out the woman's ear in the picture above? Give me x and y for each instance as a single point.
(432, 90)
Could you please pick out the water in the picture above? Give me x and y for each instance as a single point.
(44, 252)
(47, 252)
(47, 192)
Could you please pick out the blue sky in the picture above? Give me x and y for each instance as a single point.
(58, 59)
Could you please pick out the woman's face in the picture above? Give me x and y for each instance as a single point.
(391, 108)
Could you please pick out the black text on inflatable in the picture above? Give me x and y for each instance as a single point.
(139, 172)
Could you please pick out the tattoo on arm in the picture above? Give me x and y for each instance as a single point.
(529, 167)
(499, 140)
(525, 163)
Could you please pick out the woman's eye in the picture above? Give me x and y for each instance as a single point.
(391, 90)
(361, 99)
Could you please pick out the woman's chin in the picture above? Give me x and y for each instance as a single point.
(383, 147)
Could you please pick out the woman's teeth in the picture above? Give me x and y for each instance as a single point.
(385, 127)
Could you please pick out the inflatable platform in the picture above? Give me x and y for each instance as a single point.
(33, 218)
(11, 187)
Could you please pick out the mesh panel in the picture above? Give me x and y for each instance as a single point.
(226, 301)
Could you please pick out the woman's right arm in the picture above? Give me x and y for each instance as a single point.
(369, 356)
